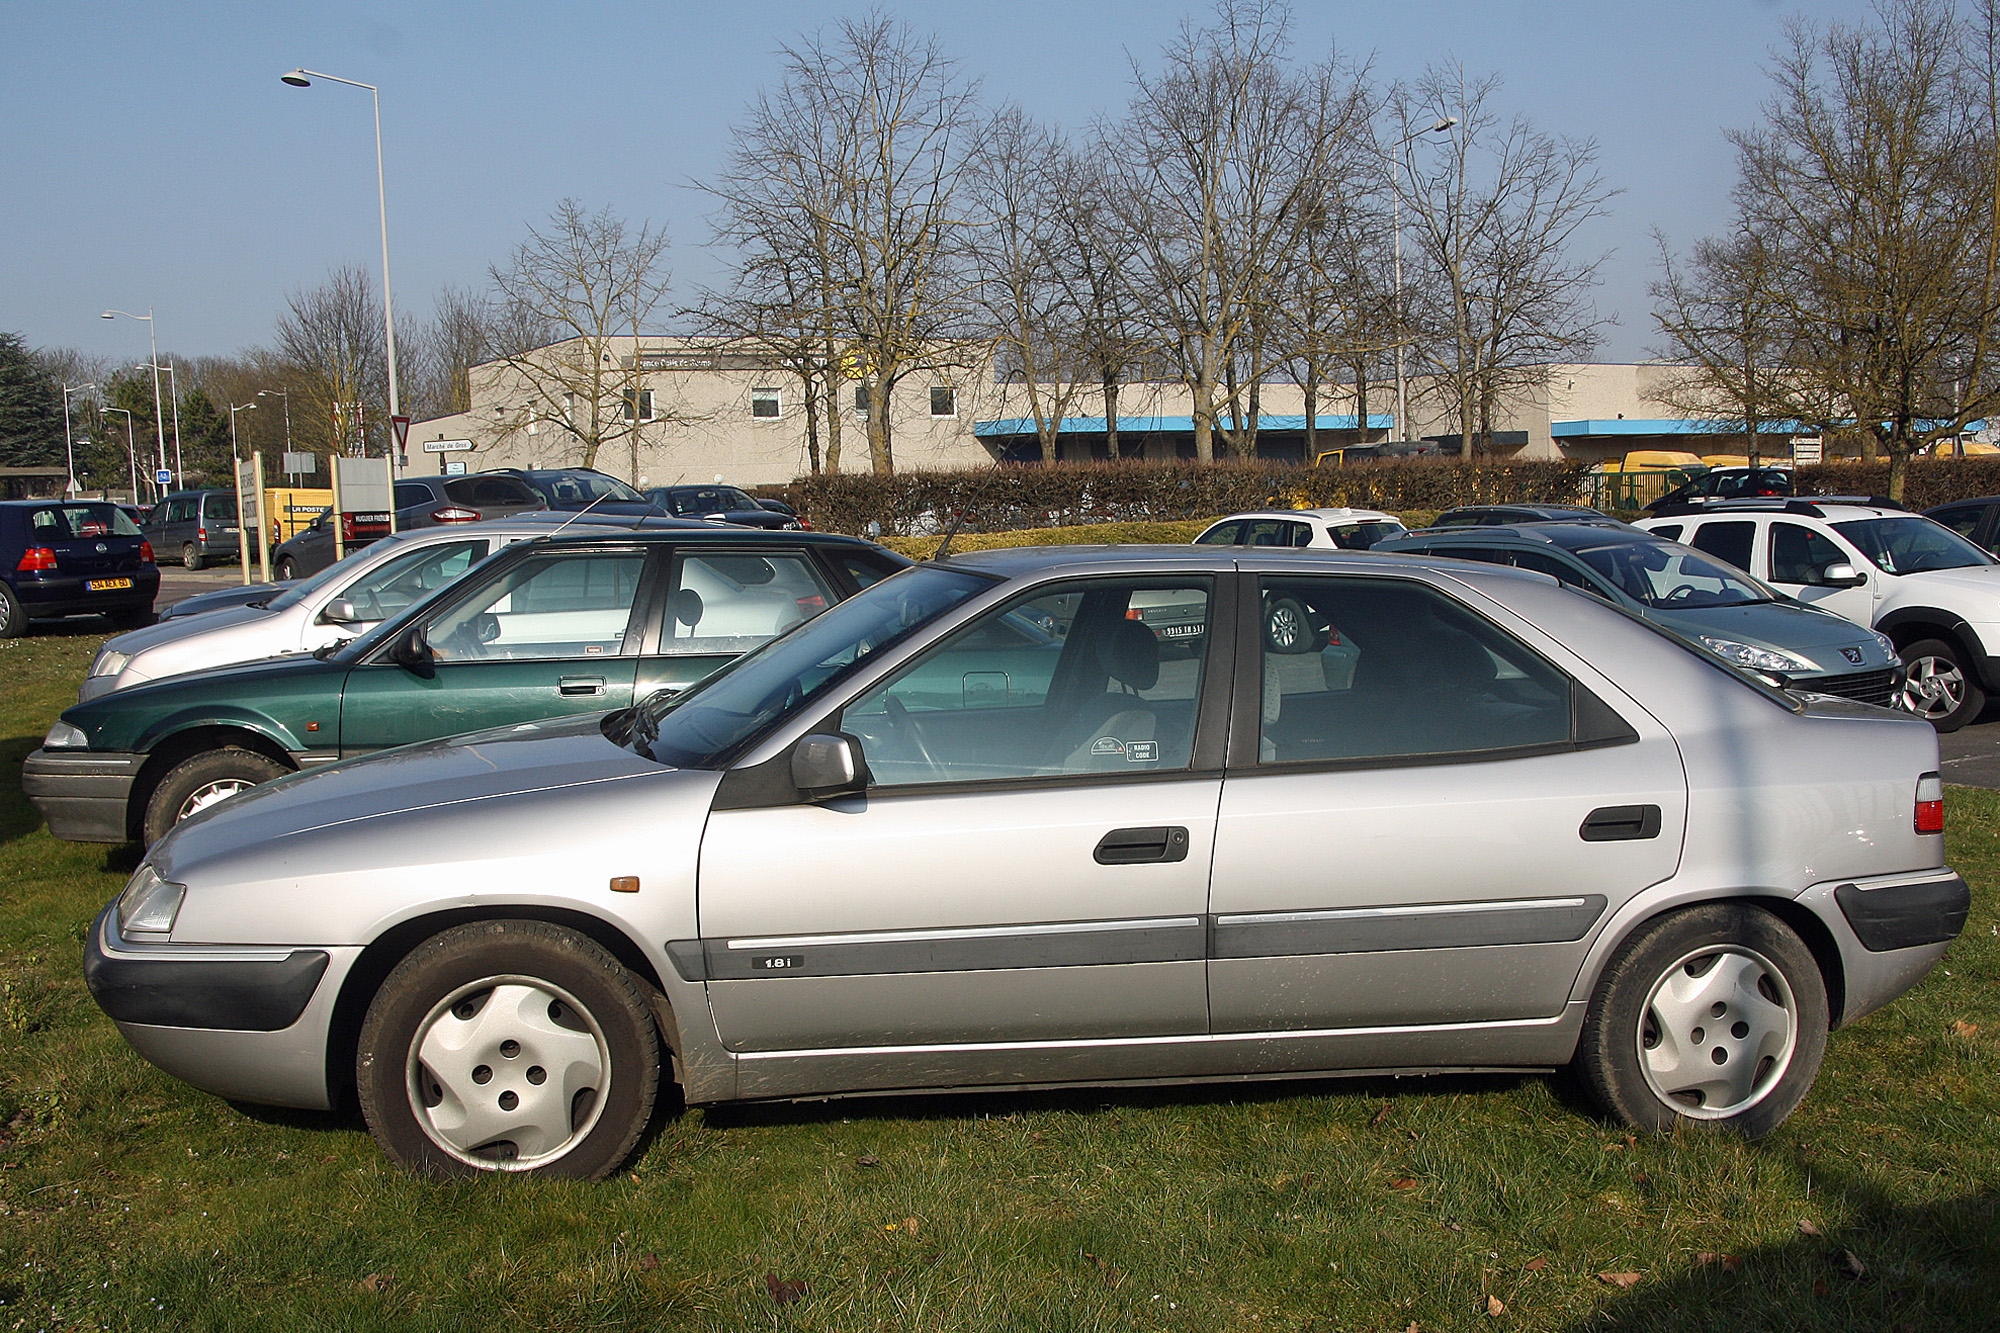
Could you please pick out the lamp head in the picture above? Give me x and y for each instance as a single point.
(1444, 123)
(297, 78)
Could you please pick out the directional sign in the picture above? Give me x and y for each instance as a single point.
(446, 446)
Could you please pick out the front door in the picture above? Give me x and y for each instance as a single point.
(1028, 866)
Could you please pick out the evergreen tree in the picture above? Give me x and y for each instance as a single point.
(31, 428)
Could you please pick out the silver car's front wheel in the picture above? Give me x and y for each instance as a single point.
(509, 1046)
(1715, 1014)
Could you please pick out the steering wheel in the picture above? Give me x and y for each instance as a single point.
(469, 640)
(1684, 592)
(902, 722)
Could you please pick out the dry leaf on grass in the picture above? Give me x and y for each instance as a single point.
(1620, 1279)
(1808, 1229)
(1965, 1029)
(1537, 1265)
(376, 1282)
(1403, 1183)
(784, 1291)
(1729, 1263)
(1494, 1308)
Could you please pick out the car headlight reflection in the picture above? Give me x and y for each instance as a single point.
(149, 904)
(1755, 658)
(108, 663)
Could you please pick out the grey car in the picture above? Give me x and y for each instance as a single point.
(938, 844)
(195, 528)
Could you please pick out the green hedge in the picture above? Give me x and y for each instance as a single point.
(1010, 499)
(1929, 481)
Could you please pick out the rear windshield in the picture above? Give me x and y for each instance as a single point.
(74, 522)
(571, 487)
(221, 507)
(490, 491)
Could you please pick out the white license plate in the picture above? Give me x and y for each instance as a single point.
(108, 585)
(1180, 631)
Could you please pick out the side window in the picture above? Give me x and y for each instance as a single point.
(1800, 555)
(866, 569)
(1483, 554)
(1543, 563)
(1222, 534)
(1298, 534)
(547, 606)
(1395, 669)
(728, 603)
(394, 585)
(1729, 542)
(1094, 679)
(1267, 532)
(411, 493)
(1671, 531)
(1963, 520)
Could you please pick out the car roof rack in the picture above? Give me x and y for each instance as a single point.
(1805, 506)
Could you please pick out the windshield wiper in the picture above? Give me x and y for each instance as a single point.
(327, 650)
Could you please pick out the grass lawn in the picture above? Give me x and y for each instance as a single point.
(128, 1200)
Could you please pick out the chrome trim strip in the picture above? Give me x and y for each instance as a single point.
(962, 933)
(1192, 1039)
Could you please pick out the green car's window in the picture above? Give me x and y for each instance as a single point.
(1391, 669)
(556, 605)
(1093, 679)
(725, 604)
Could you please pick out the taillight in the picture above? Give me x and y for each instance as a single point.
(201, 534)
(811, 606)
(347, 527)
(1930, 804)
(35, 559)
(454, 515)
(145, 552)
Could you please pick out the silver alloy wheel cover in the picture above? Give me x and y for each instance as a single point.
(1283, 624)
(1719, 1011)
(449, 1052)
(1933, 687)
(209, 793)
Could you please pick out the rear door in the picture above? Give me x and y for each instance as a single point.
(1424, 818)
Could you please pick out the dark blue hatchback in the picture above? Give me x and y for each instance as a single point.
(73, 558)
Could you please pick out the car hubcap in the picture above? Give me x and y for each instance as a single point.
(1934, 687)
(508, 1073)
(203, 797)
(1285, 631)
(1718, 1032)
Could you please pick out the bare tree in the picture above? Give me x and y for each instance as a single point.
(850, 170)
(587, 282)
(330, 341)
(1224, 158)
(1872, 184)
(1099, 256)
(1494, 210)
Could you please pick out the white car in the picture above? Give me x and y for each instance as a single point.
(1325, 529)
(369, 586)
(1935, 594)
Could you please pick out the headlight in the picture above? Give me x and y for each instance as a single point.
(1755, 658)
(149, 903)
(1889, 647)
(63, 736)
(109, 663)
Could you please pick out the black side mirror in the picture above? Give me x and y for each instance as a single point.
(412, 652)
(826, 766)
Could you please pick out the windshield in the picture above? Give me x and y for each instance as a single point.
(1670, 577)
(706, 725)
(333, 573)
(708, 500)
(574, 487)
(1911, 544)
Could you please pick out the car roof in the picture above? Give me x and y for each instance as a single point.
(1324, 514)
(1016, 562)
(1568, 536)
(1833, 508)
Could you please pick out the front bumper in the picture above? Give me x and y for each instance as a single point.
(82, 794)
(243, 1021)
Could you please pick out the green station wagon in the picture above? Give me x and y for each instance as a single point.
(543, 628)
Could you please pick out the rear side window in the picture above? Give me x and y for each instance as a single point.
(1728, 542)
(727, 603)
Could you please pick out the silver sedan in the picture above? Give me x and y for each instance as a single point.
(975, 828)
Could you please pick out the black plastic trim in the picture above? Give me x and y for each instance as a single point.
(1419, 926)
(1905, 916)
(228, 996)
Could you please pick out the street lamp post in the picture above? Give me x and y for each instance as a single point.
(287, 396)
(1442, 124)
(69, 443)
(131, 452)
(159, 417)
(302, 78)
(174, 395)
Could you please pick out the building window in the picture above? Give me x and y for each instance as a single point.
(944, 402)
(638, 404)
(861, 399)
(765, 403)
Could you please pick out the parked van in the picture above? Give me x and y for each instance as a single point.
(195, 527)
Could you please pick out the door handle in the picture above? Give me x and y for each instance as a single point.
(1621, 823)
(1138, 846)
(582, 685)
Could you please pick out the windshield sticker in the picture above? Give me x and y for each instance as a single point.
(1107, 745)
(1142, 752)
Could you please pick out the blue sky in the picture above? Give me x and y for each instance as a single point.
(156, 160)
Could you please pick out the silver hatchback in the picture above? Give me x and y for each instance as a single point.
(976, 828)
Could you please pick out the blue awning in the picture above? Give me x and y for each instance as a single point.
(1173, 425)
(1667, 426)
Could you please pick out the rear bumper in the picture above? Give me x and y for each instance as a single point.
(46, 597)
(82, 795)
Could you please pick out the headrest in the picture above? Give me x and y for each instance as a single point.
(1131, 655)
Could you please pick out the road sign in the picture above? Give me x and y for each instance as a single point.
(1806, 449)
(446, 446)
(164, 477)
(454, 467)
(401, 427)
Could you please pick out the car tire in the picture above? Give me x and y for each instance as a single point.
(13, 617)
(1713, 1016)
(285, 570)
(509, 1046)
(1287, 629)
(190, 557)
(1940, 686)
(196, 783)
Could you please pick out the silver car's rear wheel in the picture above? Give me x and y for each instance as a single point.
(1715, 1014)
(509, 1046)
